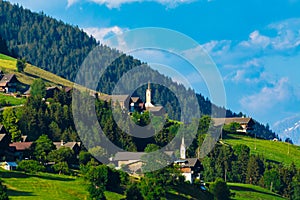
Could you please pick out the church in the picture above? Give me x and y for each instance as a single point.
(189, 167)
(136, 104)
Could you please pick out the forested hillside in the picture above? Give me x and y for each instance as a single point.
(61, 48)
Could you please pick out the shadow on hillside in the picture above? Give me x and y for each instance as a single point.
(35, 77)
(4, 174)
(190, 190)
(231, 136)
(16, 193)
(241, 188)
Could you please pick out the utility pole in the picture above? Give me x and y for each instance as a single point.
(271, 186)
(255, 142)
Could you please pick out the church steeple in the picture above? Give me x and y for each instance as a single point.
(182, 149)
(148, 97)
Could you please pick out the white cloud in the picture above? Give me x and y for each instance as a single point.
(71, 2)
(268, 97)
(102, 33)
(256, 40)
(117, 3)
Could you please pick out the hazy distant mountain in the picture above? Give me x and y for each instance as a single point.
(289, 128)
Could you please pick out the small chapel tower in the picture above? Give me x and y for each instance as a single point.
(148, 97)
(182, 149)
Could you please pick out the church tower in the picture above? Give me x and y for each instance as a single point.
(182, 149)
(148, 97)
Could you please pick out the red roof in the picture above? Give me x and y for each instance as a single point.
(21, 146)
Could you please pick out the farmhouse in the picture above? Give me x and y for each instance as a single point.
(132, 160)
(189, 167)
(20, 150)
(8, 83)
(246, 123)
(75, 146)
(9, 165)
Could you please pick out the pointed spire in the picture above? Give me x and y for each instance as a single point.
(182, 149)
(148, 85)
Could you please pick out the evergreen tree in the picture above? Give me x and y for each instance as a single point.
(220, 190)
(21, 64)
(10, 122)
(3, 192)
(255, 170)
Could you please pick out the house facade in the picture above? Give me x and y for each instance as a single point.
(246, 123)
(8, 83)
(190, 167)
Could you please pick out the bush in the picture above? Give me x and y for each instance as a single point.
(3, 192)
(133, 193)
(220, 190)
(61, 168)
(30, 166)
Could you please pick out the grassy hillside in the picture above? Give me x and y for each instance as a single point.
(43, 186)
(8, 65)
(271, 150)
(246, 192)
(10, 100)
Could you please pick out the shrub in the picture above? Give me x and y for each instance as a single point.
(30, 166)
(220, 190)
(3, 192)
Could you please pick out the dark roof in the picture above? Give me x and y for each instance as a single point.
(191, 162)
(128, 156)
(121, 156)
(58, 144)
(21, 146)
(135, 99)
(11, 164)
(155, 109)
(24, 138)
(240, 120)
(70, 145)
(52, 88)
(68, 89)
(120, 98)
(2, 129)
(188, 162)
(2, 136)
(6, 79)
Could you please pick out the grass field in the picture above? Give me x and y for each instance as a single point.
(12, 101)
(8, 65)
(43, 186)
(271, 150)
(246, 192)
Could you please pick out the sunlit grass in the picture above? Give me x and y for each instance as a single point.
(271, 150)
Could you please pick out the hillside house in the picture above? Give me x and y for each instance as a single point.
(132, 160)
(20, 150)
(8, 83)
(9, 166)
(50, 91)
(190, 167)
(246, 123)
(75, 146)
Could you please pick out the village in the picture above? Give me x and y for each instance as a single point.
(191, 168)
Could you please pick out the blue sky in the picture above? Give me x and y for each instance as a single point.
(255, 44)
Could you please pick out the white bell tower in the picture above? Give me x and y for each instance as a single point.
(148, 97)
(182, 149)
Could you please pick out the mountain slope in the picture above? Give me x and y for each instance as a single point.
(60, 48)
(274, 151)
(8, 65)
